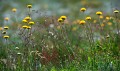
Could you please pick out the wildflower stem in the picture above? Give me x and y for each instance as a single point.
(92, 43)
(117, 25)
(29, 12)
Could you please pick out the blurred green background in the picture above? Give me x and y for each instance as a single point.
(69, 8)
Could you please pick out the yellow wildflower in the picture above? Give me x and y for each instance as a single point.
(6, 27)
(58, 27)
(88, 18)
(6, 18)
(29, 6)
(4, 32)
(6, 36)
(31, 23)
(83, 9)
(60, 20)
(14, 10)
(94, 21)
(25, 21)
(109, 23)
(116, 11)
(1, 28)
(99, 13)
(101, 17)
(63, 17)
(82, 22)
(107, 18)
(24, 26)
(74, 29)
(28, 27)
(102, 25)
(27, 18)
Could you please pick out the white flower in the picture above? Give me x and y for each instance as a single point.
(18, 53)
(51, 25)
(17, 48)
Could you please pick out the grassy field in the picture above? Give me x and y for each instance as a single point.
(58, 43)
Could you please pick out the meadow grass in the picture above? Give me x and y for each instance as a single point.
(49, 43)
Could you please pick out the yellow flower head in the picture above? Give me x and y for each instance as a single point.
(60, 20)
(102, 25)
(24, 26)
(83, 9)
(104, 21)
(58, 27)
(28, 27)
(82, 22)
(25, 21)
(101, 17)
(116, 11)
(1, 28)
(109, 23)
(63, 17)
(94, 21)
(31, 23)
(6, 27)
(6, 36)
(14, 10)
(74, 28)
(6, 18)
(76, 21)
(107, 18)
(112, 18)
(4, 32)
(99, 13)
(29, 6)
(88, 18)
(27, 18)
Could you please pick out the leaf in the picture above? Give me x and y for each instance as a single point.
(89, 59)
(53, 69)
